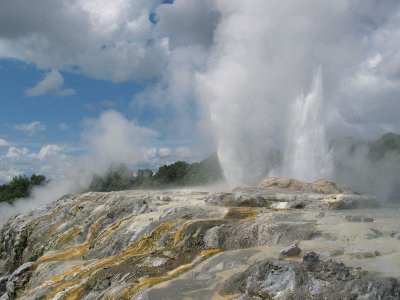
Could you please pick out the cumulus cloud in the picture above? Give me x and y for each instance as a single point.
(160, 153)
(188, 22)
(49, 159)
(368, 96)
(14, 152)
(30, 128)
(48, 151)
(3, 143)
(51, 83)
(164, 152)
(106, 40)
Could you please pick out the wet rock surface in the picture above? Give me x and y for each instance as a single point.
(251, 243)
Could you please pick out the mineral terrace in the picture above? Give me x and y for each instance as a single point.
(281, 239)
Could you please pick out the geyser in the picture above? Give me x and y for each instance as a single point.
(307, 156)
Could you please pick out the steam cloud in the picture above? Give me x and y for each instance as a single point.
(263, 58)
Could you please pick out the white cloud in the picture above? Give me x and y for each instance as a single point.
(188, 22)
(49, 159)
(156, 155)
(111, 40)
(30, 128)
(7, 175)
(64, 126)
(49, 151)
(367, 100)
(164, 152)
(17, 153)
(3, 143)
(51, 83)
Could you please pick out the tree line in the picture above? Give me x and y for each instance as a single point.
(177, 174)
(119, 177)
(20, 187)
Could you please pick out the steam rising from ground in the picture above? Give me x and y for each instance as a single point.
(264, 56)
(109, 139)
(355, 169)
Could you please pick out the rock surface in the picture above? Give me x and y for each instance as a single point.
(200, 245)
(292, 250)
(312, 278)
(284, 184)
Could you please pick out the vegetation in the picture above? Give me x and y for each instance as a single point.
(177, 174)
(117, 178)
(388, 143)
(20, 187)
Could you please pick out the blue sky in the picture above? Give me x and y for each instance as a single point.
(34, 121)
(148, 82)
(59, 118)
(49, 101)
(91, 97)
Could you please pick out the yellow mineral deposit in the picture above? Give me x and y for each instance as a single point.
(76, 284)
(181, 230)
(67, 237)
(242, 213)
(147, 282)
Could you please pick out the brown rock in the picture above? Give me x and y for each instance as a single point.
(326, 187)
(284, 184)
(291, 185)
(292, 250)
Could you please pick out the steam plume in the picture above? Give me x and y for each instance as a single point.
(307, 155)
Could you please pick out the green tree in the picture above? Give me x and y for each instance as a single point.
(172, 174)
(144, 178)
(37, 179)
(118, 177)
(20, 187)
(179, 173)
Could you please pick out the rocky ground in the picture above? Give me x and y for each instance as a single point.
(281, 239)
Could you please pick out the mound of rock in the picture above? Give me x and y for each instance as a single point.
(202, 245)
(291, 185)
(289, 193)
